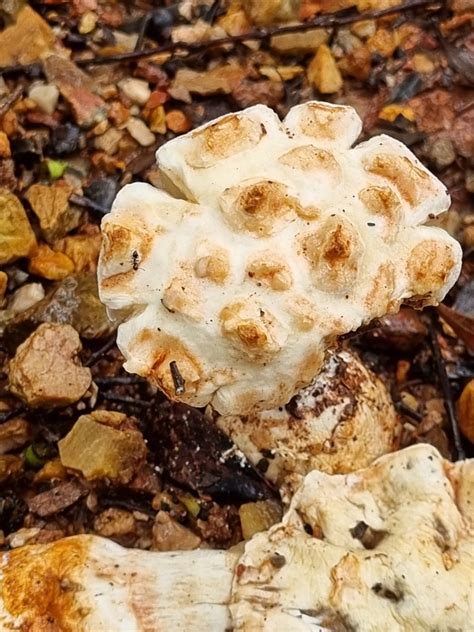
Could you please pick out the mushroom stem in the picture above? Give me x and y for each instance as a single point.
(86, 583)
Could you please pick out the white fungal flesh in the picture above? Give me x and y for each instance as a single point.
(341, 422)
(392, 550)
(274, 238)
(386, 549)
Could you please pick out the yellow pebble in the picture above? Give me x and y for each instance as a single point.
(390, 112)
(87, 23)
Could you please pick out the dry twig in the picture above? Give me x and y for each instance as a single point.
(328, 20)
(447, 392)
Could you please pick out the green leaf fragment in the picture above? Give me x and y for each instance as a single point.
(56, 168)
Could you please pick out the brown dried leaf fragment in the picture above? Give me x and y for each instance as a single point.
(462, 324)
(56, 499)
(77, 88)
(169, 535)
(50, 204)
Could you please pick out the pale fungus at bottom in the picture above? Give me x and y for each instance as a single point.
(388, 548)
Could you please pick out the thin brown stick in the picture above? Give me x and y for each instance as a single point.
(323, 21)
(178, 380)
(97, 355)
(447, 391)
(329, 20)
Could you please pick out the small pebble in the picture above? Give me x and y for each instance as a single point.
(364, 29)
(422, 63)
(157, 120)
(137, 90)
(25, 297)
(102, 192)
(3, 284)
(409, 400)
(87, 23)
(45, 96)
(441, 153)
(5, 151)
(109, 142)
(50, 264)
(178, 122)
(64, 139)
(126, 41)
(140, 132)
(100, 128)
(470, 180)
(46, 370)
(468, 237)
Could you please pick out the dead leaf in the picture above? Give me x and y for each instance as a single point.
(50, 203)
(262, 12)
(462, 324)
(56, 499)
(77, 88)
(221, 79)
(253, 92)
(323, 72)
(296, 43)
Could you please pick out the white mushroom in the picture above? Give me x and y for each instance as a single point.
(386, 549)
(272, 240)
(341, 422)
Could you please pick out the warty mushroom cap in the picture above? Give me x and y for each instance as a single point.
(269, 240)
(339, 423)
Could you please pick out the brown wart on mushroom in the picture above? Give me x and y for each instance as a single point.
(267, 261)
(262, 208)
(224, 138)
(333, 252)
(311, 158)
(270, 269)
(252, 328)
